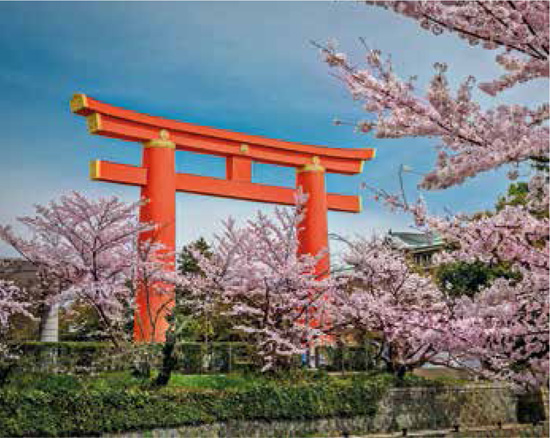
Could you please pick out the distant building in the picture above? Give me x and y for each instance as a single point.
(20, 271)
(420, 246)
(23, 273)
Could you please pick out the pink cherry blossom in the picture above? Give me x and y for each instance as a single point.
(472, 140)
(384, 296)
(505, 326)
(85, 251)
(275, 300)
(13, 301)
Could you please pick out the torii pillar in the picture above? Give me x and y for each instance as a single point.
(313, 229)
(313, 235)
(158, 209)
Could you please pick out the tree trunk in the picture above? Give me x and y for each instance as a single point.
(49, 323)
(49, 332)
(168, 359)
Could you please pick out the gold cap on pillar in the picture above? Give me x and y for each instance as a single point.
(314, 166)
(162, 142)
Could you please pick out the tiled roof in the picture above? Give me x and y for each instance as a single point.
(414, 241)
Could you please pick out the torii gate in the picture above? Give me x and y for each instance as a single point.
(159, 182)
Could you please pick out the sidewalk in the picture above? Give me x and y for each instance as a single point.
(507, 431)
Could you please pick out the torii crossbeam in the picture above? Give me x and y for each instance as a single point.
(159, 182)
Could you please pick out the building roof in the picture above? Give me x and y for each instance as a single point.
(414, 241)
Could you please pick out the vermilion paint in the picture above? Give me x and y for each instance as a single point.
(313, 231)
(150, 324)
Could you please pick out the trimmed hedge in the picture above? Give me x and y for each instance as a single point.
(81, 357)
(76, 357)
(192, 357)
(64, 410)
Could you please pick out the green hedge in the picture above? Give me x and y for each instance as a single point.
(346, 358)
(192, 357)
(75, 357)
(64, 409)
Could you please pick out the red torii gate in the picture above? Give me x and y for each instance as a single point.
(159, 182)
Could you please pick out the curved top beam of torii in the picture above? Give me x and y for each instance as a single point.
(120, 123)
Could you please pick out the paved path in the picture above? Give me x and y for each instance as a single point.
(507, 431)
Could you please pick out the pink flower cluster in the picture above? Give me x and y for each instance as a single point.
(387, 299)
(13, 301)
(266, 287)
(473, 140)
(515, 26)
(505, 326)
(85, 251)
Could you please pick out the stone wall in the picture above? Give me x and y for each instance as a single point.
(436, 408)
(411, 408)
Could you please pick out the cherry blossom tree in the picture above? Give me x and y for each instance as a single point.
(505, 325)
(473, 140)
(387, 299)
(13, 301)
(85, 251)
(270, 291)
(519, 28)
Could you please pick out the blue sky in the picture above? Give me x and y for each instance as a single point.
(244, 66)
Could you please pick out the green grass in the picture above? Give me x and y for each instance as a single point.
(215, 381)
(121, 380)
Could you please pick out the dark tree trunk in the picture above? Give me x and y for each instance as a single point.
(168, 360)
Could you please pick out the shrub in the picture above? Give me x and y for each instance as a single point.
(82, 357)
(63, 406)
(68, 356)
